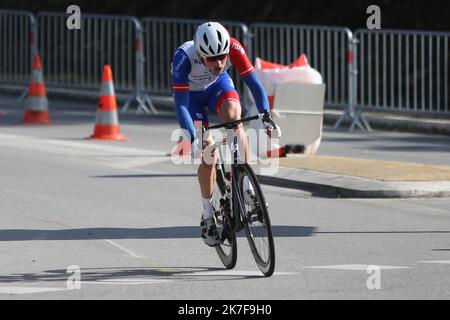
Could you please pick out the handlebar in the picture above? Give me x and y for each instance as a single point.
(234, 123)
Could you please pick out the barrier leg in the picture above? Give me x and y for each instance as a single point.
(143, 101)
(358, 117)
(341, 118)
(21, 97)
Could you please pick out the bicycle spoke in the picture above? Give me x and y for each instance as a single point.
(257, 223)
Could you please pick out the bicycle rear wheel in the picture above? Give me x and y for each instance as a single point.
(256, 220)
(227, 249)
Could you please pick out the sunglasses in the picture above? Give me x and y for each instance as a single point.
(215, 58)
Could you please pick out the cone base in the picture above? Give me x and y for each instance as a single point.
(107, 133)
(118, 137)
(277, 153)
(36, 117)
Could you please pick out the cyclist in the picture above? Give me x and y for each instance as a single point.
(200, 79)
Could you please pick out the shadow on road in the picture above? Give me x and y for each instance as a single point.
(181, 232)
(149, 175)
(132, 275)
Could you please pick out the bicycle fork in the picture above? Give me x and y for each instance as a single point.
(237, 201)
(237, 204)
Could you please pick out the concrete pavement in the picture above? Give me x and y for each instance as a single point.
(381, 164)
(129, 219)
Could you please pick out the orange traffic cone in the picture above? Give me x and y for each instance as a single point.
(301, 61)
(263, 64)
(107, 121)
(277, 153)
(36, 111)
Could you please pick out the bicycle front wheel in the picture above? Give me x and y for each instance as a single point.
(256, 220)
(227, 249)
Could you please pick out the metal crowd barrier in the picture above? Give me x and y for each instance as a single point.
(73, 59)
(406, 71)
(393, 70)
(162, 37)
(17, 44)
(327, 50)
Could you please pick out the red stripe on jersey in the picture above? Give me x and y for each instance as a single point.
(180, 87)
(247, 72)
(230, 95)
(239, 58)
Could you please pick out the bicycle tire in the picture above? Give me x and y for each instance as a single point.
(227, 249)
(258, 215)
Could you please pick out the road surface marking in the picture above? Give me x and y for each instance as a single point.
(437, 261)
(354, 267)
(131, 163)
(131, 253)
(27, 290)
(68, 148)
(144, 259)
(128, 281)
(232, 273)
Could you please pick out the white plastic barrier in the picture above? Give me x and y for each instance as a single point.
(298, 110)
(296, 95)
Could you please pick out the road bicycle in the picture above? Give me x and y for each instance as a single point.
(235, 209)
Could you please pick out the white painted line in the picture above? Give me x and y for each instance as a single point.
(355, 267)
(128, 281)
(128, 251)
(82, 148)
(137, 162)
(232, 273)
(108, 148)
(27, 290)
(437, 261)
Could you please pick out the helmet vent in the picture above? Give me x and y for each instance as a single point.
(225, 47)
(203, 50)
(219, 37)
(206, 39)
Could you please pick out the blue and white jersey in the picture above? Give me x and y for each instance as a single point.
(190, 75)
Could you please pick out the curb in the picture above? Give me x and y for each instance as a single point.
(328, 185)
(394, 122)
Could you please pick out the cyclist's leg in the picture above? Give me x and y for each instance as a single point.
(206, 170)
(225, 102)
(205, 173)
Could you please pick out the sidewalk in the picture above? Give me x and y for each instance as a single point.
(338, 177)
(403, 157)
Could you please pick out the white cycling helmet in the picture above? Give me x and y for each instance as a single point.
(212, 39)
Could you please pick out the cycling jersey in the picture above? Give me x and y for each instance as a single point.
(195, 87)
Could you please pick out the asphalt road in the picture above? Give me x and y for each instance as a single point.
(124, 220)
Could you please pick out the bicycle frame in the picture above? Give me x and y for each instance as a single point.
(235, 191)
(236, 200)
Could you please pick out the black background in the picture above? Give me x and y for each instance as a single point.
(395, 14)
